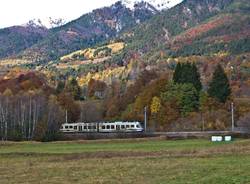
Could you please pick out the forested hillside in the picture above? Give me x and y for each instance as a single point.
(18, 38)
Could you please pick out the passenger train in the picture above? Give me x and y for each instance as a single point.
(102, 127)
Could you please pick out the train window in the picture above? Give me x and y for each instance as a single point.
(137, 126)
(123, 126)
(132, 126)
(118, 127)
(103, 126)
(94, 127)
(75, 127)
(66, 127)
(80, 128)
(127, 126)
(70, 126)
(112, 127)
(108, 126)
(89, 127)
(85, 127)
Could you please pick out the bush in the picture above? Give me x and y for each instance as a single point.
(51, 136)
(15, 135)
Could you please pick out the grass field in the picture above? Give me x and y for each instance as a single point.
(143, 161)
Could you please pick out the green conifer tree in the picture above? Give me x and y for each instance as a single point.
(219, 87)
(187, 73)
(177, 72)
(196, 78)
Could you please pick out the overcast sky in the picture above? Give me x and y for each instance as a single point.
(17, 12)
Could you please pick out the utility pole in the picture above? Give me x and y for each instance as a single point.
(66, 116)
(203, 123)
(232, 110)
(145, 119)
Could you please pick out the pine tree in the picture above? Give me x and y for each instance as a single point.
(196, 78)
(219, 87)
(177, 72)
(187, 73)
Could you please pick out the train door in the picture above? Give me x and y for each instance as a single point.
(123, 128)
(80, 128)
(118, 128)
(85, 128)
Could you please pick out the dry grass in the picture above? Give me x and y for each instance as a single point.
(142, 161)
(89, 53)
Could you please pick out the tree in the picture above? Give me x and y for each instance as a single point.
(155, 108)
(184, 95)
(187, 73)
(74, 89)
(60, 87)
(67, 102)
(196, 78)
(155, 105)
(177, 71)
(219, 87)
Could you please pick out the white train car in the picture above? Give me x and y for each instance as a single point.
(120, 127)
(102, 127)
(79, 127)
(70, 128)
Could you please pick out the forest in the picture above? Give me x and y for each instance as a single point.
(30, 109)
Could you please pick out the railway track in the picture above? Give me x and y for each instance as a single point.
(202, 134)
(167, 135)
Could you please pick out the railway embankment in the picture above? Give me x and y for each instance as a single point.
(164, 135)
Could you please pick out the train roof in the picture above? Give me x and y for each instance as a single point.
(101, 122)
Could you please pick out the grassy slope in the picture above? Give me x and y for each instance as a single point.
(189, 161)
(81, 147)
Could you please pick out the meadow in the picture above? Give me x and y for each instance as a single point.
(142, 161)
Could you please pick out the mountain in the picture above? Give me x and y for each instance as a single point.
(162, 28)
(193, 27)
(88, 30)
(227, 32)
(17, 38)
(194, 31)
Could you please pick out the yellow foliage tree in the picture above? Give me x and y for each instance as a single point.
(7, 92)
(155, 105)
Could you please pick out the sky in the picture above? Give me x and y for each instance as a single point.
(19, 12)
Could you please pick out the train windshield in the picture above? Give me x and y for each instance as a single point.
(138, 125)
